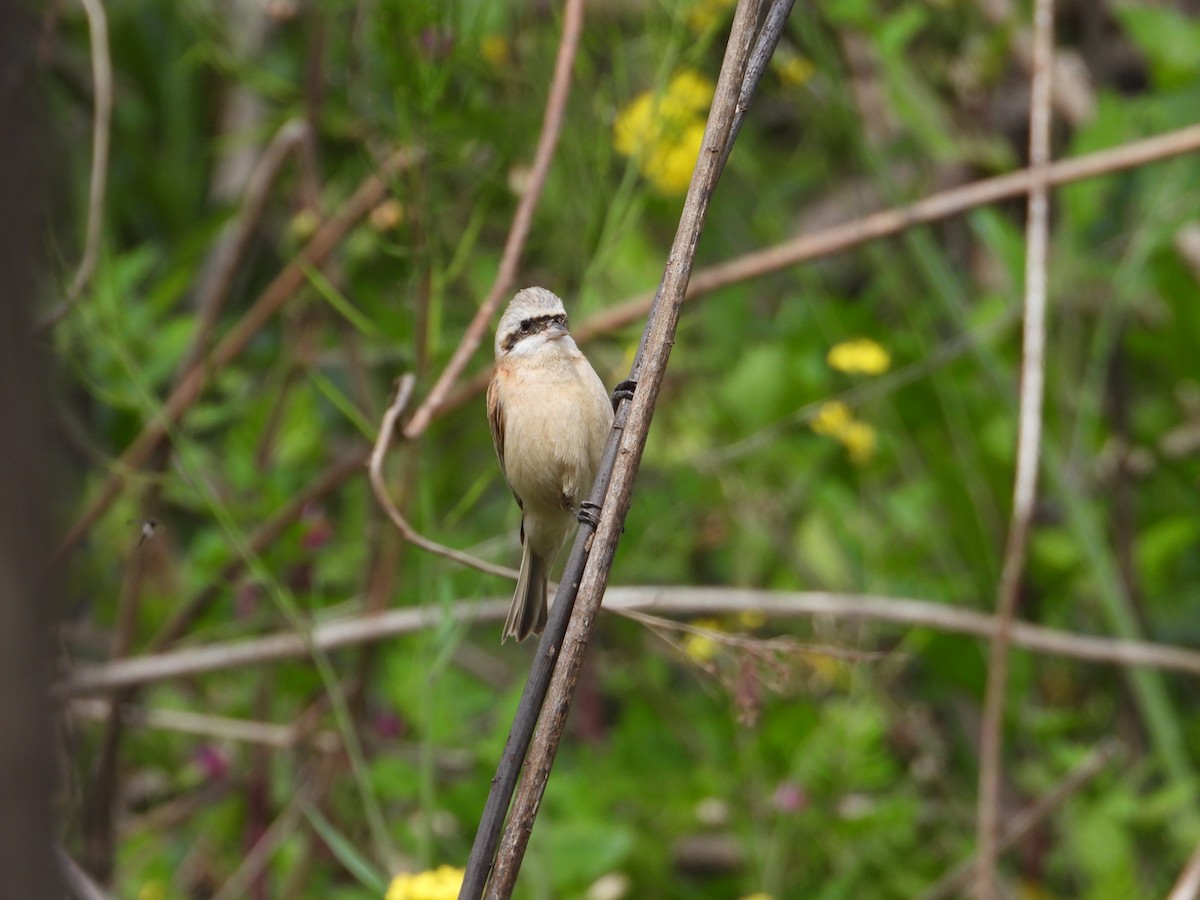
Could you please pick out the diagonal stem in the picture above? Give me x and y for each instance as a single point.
(1029, 437)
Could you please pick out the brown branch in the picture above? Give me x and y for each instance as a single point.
(839, 238)
(1020, 825)
(118, 675)
(368, 194)
(102, 90)
(578, 599)
(556, 103)
(1029, 438)
(403, 392)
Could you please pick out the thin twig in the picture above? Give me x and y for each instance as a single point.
(556, 103)
(222, 728)
(259, 855)
(79, 882)
(404, 391)
(368, 194)
(102, 91)
(1020, 825)
(845, 236)
(1187, 887)
(1029, 438)
(676, 601)
(586, 575)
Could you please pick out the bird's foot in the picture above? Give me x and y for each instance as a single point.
(623, 391)
(589, 513)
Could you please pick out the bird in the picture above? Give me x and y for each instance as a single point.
(550, 416)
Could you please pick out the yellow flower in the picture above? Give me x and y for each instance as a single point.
(701, 648)
(664, 132)
(832, 418)
(835, 420)
(688, 93)
(669, 166)
(861, 356)
(442, 883)
(495, 50)
(859, 440)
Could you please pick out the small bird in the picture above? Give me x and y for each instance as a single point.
(550, 417)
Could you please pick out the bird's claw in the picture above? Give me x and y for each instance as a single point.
(623, 391)
(589, 513)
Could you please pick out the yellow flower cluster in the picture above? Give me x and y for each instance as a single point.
(442, 883)
(835, 420)
(861, 356)
(664, 132)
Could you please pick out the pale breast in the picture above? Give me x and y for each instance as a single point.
(556, 420)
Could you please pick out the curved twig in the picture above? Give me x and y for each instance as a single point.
(404, 389)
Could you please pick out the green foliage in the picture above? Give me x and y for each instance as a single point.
(828, 777)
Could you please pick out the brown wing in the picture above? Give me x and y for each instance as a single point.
(496, 424)
(495, 410)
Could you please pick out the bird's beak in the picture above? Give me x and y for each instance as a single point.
(556, 331)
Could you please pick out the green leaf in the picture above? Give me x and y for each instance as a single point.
(347, 854)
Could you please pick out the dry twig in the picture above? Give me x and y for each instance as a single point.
(403, 392)
(676, 601)
(102, 90)
(1029, 438)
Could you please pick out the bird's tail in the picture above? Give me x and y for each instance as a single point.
(527, 615)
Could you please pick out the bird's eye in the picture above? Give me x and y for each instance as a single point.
(526, 324)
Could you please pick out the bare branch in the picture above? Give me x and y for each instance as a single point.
(586, 575)
(676, 601)
(1029, 439)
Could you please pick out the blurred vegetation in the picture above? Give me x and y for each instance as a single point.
(819, 776)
